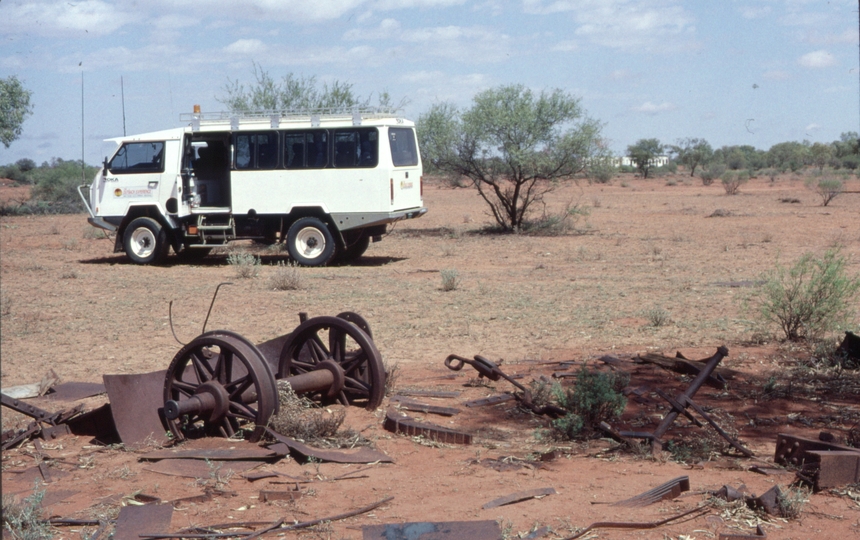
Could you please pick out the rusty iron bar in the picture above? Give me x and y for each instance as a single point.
(490, 370)
(635, 525)
(411, 427)
(691, 390)
(735, 444)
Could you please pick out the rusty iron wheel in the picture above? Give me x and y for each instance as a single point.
(224, 366)
(332, 338)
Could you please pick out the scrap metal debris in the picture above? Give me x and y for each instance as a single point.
(823, 464)
(440, 530)
(519, 497)
(135, 520)
(491, 400)
(357, 455)
(46, 424)
(135, 404)
(402, 402)
(759, 533)
(638, 525)
(396, 422)
(667, 491)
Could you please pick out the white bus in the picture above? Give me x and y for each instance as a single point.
(323, 183)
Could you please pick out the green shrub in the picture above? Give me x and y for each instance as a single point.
(813, 297)
(450, 279)
(826, 188)
(601, 172)
(595, 397)
(711, 172)
(732, 181)
(23, 520)
(247, 265)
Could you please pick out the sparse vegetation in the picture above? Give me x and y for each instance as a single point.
(791, 501)
(657, 317)
(826, 188)
(300, 418)
(450, 279)
(595, 397)
(247, 265)
(286, 277)
(23, 520)
(813, 297)
(732, 181)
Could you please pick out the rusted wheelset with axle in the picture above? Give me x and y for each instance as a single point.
(220, 382)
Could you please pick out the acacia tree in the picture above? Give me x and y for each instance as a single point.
(692, 153)
(514, 146)
(293, 93)
(643, 153)
(14, 108)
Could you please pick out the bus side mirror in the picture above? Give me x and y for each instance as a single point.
(105, 167)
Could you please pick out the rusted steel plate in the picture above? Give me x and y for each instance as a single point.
(271, 350)
(134, 521)
(834, 468)
(396, 423)
(97, 423)
(492, 400)
(195, 499)
(49, 433)
(250, 453)
(442, 530)
(429, 393)
(769, 501)
(74, 391)
(791, 449)
(402, 402)
(759, 533)
(359, 455)
(669, 490)
(292, 495)
(519, 497)
(135, 403)
(195, 468)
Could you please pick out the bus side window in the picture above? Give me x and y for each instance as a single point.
(243, 151)
(267, 150)
(294, 150)
(356, 148)
(317, 149)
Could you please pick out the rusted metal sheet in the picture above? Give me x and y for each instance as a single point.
(402, 402)
(135, 403)
(396, 423)
(195, 468)
(136, 520)
(75, 391)
(834, 468)
(49, 433)
(519, 497)
(359, 455)
(247, 453)
(429, 393)
(97, 423)
(491, 400)
(440, 530)
(791, 450)
(291, 495)
(768, 501)
(669, 490)
(194, 499)
(759, 533)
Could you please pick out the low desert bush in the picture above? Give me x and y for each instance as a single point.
(791, 501)
(287, 277)
(247, 265)
(732, 181)
(601, 172)
(595, 397)
(556, 224)
(711, 172)
(450, 279)
(23, 520)
(810, 299)
(657, 317)
(300, 418)
(826, 188)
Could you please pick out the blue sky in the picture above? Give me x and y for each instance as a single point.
(754, 72)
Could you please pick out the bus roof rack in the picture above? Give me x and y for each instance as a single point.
(356, 114)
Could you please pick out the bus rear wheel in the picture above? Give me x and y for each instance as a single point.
(145, 241)
(309, 242)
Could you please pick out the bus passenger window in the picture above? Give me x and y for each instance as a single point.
(267, 150)
(404, 152)
(243, 151)
(294, 150)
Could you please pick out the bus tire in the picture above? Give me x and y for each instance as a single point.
(355, 251)
(145, 241)
(309, 242)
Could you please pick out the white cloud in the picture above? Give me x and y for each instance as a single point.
(653, 108)
(384, 5)
(776, 75)
(812, 127)
(636, 25)
(61, 19)
(475, 44)
(817, 59)
(246, 47)
(387, 29)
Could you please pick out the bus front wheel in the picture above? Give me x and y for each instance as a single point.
(145, 241)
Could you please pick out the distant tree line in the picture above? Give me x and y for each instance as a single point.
(54, 186)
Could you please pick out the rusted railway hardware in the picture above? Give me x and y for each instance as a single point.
(46, 424)
(823, 464)
(220, 381)
(491, 371)
(670, 490)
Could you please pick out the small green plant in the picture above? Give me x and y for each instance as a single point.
(791, 501)
(247, 265)
(657, 317)
(23, 520)
(813, 297)
(287, 277)
(555, 224)
(594, 398)
(826, 188)
(733, 181)
(450, 279)
(711, 172)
